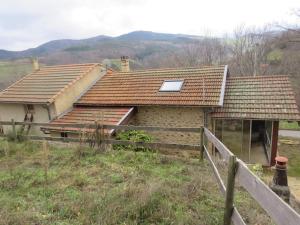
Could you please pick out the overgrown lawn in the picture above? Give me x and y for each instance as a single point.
(60, 186)
(68, 185)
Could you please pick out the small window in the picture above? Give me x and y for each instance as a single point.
(29, 108)
(64, 134)
(171, 85)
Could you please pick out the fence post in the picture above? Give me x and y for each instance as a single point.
(230, 190)
(201, 143)
(13, 123)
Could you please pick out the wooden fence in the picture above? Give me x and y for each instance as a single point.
(280, 212)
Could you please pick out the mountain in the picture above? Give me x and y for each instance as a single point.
(50, 47)
(99, 47)
(152, 36)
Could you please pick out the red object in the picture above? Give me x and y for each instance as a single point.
(281, 160)
(274, 142)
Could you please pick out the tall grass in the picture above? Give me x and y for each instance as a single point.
(110, 187)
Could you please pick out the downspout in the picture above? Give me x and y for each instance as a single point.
(47, 107)
(206, 111)
(205, 118)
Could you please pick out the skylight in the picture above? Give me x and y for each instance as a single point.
(171, 85)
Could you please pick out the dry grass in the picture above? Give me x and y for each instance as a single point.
(54, 186)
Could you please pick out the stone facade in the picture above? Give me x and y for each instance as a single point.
(163, 116)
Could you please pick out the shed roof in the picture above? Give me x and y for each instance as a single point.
(90, 115)
(201, 87)
(261, 97)
(45, 84)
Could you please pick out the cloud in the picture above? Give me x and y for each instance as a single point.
(28, 23)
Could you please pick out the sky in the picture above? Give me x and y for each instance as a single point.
(29, 23)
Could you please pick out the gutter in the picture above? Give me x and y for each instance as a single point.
(47, 107)
(221, 101)
(124, 119)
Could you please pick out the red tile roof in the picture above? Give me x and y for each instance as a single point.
(45, 84)
(261, 97)
(90, 115)
(201, 87)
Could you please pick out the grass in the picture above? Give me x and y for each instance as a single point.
(55, 186)
(289, 126)
(290, 148)
(116, 187)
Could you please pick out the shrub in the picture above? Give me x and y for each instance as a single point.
(135, 136)
(20, 137)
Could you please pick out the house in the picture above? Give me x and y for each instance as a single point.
(243, 112)
(166, 98)
(248, 121)
(47, 93)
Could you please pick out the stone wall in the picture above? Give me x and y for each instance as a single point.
(170, 117)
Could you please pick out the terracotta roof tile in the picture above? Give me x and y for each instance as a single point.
(201, 87)
(44, 85)
(262, 97)
(90, 115)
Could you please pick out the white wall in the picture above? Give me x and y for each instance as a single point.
(9, 111)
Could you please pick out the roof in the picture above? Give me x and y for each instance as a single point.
(45, 84)
(261, 97)
(90, 115)
(202, 87)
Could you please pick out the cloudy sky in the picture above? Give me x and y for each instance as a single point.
(29, 23)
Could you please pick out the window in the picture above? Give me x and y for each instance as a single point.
(171, 85)
(64, 134)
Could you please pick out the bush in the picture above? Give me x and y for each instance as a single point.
(135, 136)
(20, 137)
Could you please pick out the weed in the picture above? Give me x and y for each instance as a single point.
(134, 136)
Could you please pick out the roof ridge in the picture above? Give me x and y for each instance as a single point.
(70, 65)
(72, 82)
(257, 77)
(169, 69)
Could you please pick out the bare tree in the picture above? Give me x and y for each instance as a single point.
(248, 51)
(206, 51)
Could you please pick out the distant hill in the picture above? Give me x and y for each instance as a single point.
(136, 44)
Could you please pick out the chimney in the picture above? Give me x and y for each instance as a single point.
(35, 64)
(125, 64)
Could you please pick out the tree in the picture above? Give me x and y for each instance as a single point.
(248, 51)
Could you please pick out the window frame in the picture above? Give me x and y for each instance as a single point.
(64, 134)
(173, 81)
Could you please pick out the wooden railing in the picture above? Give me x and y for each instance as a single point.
(280, 212)
(106, 139)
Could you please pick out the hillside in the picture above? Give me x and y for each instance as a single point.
(137, 44)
